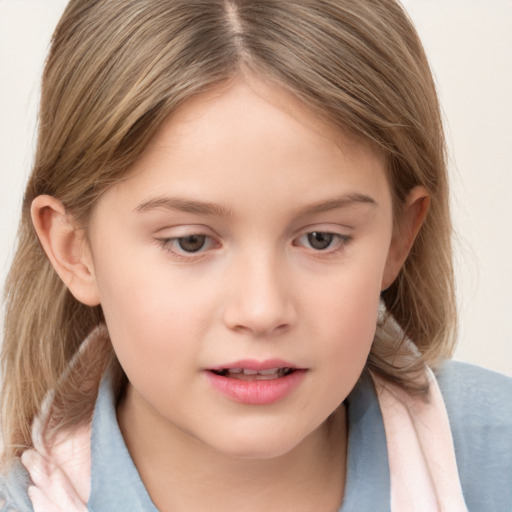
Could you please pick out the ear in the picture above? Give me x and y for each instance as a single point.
(409, 221)
(65, 247)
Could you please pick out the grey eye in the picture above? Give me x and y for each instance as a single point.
(192, 243)
(320, 240)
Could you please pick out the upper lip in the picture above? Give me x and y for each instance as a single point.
(256, 365)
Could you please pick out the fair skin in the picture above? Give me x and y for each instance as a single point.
(249, 230)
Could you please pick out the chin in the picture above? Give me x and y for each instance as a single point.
(255, 451)
(258, 444)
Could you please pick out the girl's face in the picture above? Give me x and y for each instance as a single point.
(239, 270)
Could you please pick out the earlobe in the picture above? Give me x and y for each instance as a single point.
(412, 216)
(65, 247)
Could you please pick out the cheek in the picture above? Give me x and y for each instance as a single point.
(352, 328)
(348, 319)
(153, 317)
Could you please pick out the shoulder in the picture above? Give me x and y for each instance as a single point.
(479, 406)
(13, 490)
(475, 395)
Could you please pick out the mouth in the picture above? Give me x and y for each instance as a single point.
(256, 382)
(248, 374)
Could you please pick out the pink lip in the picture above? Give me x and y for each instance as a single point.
(256, 392)
(254, 364)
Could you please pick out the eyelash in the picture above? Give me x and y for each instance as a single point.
(172, 245)
(340, 241)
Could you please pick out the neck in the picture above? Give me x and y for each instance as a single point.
(181, 473)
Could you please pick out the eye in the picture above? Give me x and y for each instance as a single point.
(323, 240)
(192, 243)
(187, 245)
(319, 240)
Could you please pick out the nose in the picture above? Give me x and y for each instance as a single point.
(260, 301)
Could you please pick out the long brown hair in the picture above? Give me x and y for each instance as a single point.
(118, 68)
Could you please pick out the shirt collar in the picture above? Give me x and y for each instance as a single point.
(115, 482)
(367, 487)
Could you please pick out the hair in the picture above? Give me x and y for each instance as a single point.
(118, 68)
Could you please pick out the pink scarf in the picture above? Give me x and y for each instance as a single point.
(422, 462)
(422, 465)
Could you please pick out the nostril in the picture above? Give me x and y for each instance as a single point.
(259, 300)
(261, 330)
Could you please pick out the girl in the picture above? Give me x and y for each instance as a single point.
(234, 272)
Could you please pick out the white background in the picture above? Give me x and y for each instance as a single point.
(469, 43)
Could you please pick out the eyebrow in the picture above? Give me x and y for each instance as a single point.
(207, 208)
(338, 202)
(184, 205)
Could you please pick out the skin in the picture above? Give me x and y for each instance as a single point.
(270, 173)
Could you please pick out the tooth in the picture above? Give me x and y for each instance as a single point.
(250, 372)
(269, 372)
(235, 370)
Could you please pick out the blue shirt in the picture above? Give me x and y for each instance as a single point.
(479, 405)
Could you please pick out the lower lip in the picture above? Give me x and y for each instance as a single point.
(256, 392)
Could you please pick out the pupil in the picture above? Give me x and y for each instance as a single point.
(319, 240)
(192, 243)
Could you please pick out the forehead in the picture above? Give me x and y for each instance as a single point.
(243, 138)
